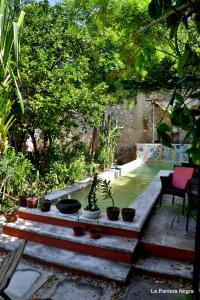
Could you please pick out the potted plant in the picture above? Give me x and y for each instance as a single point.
(112, 211)
(92, 211)
(128, 214)
(77, 229)
(44, 204)
(95, 233)
(10, 214)
(32, 200)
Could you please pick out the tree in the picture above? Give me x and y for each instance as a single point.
(74, 57)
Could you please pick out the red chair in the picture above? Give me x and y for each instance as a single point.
(176, 183)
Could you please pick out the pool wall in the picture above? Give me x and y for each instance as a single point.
(158, 152)
(113, 173)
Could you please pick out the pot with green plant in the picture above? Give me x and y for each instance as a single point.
(92, 211)
(10, 214)
(112, 211)
(32, 198)
(77, 229)
(44, 204)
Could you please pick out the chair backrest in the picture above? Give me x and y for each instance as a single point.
(181, 176)
(9, 265)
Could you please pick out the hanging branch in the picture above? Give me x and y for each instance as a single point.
(179, 8)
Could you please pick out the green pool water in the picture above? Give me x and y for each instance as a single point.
(128, 187)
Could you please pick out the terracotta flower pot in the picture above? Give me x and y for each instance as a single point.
(32, 202)
(128, 214)
(113, 213)
(11, 217)
(95, 233)
(46, 206)
(78, 230)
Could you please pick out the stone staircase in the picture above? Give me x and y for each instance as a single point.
(109, 257)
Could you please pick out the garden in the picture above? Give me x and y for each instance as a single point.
(62, 66)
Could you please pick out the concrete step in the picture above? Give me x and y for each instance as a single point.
(164, 267)
(164, 250)
(70, 260)
(108, 246)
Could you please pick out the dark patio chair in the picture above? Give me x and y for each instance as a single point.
(176, 183)
(192, 191)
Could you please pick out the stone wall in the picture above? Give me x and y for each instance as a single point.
(137, 123)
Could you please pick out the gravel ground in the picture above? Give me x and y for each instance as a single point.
(117, 291)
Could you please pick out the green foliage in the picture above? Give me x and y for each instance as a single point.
(106, 189)
(108, 134)
(92, 195)
(77, 169)
(184, 41)
(164, 134)
(16, 174)
(6, 121)
(9, 47)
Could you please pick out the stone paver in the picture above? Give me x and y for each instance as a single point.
(149, 290)
(26, 281)
(69, 289)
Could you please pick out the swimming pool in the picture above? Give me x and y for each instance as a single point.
(127, 187)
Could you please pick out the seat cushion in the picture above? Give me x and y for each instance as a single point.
(181, 176)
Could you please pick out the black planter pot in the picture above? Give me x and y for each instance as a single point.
(22, 201)
(68, 206)
(113, 213)
(128, 214)
(46, 206)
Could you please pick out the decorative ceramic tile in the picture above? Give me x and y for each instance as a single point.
(176, 154)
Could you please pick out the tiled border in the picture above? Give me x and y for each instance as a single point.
(158, 152)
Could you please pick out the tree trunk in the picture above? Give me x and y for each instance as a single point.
(94, 142)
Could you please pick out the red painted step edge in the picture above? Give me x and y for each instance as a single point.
(69, 245)
(70, 223)
(167, 252)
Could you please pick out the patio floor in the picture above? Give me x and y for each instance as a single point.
(166, 226)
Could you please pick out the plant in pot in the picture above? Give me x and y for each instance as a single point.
(10, 212)
(92, 211)
(112, 211)
(128, 214)
(77, 229)
(32, 199)
(44, 204)
(95, 233)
